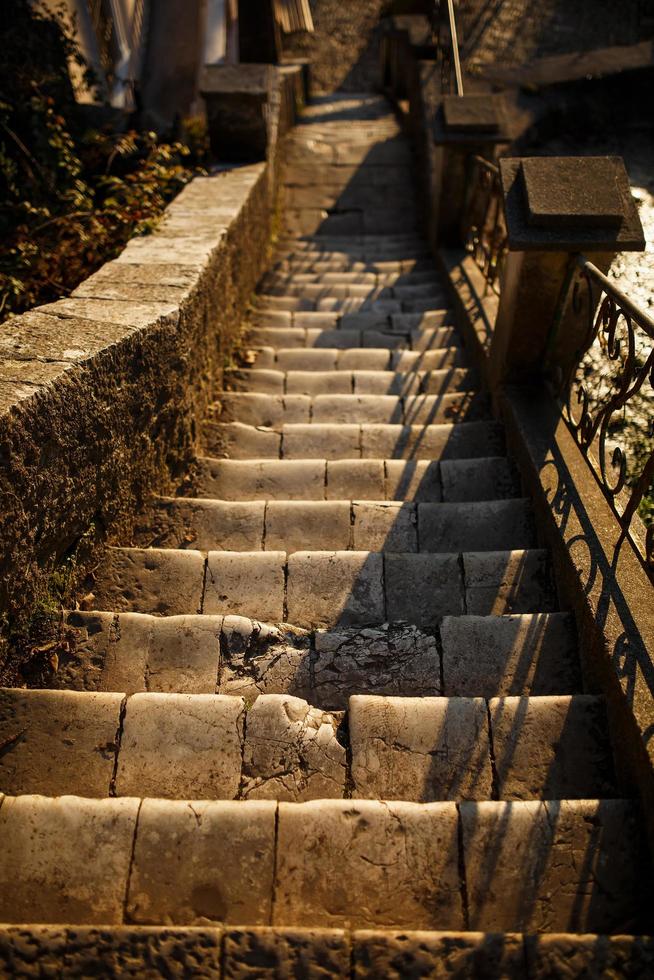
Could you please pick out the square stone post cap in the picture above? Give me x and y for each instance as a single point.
(471, 119)
(569, 204)
(244, 79)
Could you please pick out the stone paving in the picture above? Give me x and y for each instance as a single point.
(331, 687)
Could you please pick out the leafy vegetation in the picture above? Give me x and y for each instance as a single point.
(75, 182)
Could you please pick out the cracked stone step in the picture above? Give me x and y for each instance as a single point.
(171, 746)
(460, 440)
(336, 525)
(384, 382)
(326, 588)
(482, 656)
(243, 657)
(370, 479)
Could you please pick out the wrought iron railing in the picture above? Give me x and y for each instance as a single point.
(608, 400)
(484, 223)
(447, 43)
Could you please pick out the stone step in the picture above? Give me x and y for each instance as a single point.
(353, 302)
(354, 221)
(273, 952)
(341, 382)
(336, 525)
(460, 440)
(338, 271)
(286, 263)
(372, 479)
(323, 588)
(110, 861)
(290, 287)
(395, 356)
(274, 411)
(398, 323)
(422, 350)
(464, 656)
(217, 747)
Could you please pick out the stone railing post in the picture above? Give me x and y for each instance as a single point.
(465, 126)
(238, 99)
(555, 207)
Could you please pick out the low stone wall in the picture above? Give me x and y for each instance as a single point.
(101, 393)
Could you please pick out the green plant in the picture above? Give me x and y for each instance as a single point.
(71, 194)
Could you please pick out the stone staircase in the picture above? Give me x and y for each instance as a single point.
(351, 726)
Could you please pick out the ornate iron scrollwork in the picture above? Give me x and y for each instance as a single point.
(485, 233)
(610, 412)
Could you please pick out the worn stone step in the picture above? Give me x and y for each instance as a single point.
(353, 302)
(82, 861)
(425, 749)
(337, 273)
(336, 525)
(460, 440)
(283, 349)
(273, 952)
(274, 411)
(370, 479)
(340, 382)
(323, 588)
(481, 656)
(282, 748)
(289, 286)
(393, 356)
(407, 324)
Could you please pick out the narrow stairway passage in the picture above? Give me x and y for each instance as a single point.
(335, 669)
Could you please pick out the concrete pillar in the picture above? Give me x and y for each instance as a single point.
(555, 207)
(465, 126)
(171, 67)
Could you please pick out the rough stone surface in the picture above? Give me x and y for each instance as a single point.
(397, 955)
(497, 583)
(307, 525)
(201, 862)
(552, 867)
(474, 526)
(119, 951)
(300, 954)
(396, 659)
(65, 859)
(235, 479)
(207, 525)
(56, 742)
(153, 580)
(401, 865)
(420, 749)
(422, 588)
(245, 584)
(552, 748)
(530, 654)
(335, 588)
(361, 479)
(176, 746)
(292, 751)
(262, 659)
(385, 526)
(417, 480)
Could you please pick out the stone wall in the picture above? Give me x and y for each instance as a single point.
(101, 393)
